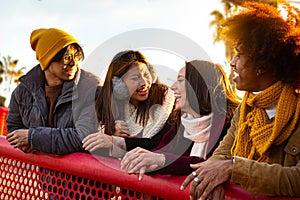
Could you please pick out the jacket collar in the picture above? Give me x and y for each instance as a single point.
(35, 80)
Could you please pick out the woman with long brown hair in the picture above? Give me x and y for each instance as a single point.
(130, 106)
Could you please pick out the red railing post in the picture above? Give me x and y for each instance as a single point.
(3, 116)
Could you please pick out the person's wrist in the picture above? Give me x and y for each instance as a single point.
(162, 160)
(111, 140)
(230, 167)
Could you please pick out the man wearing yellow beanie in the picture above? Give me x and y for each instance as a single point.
(48, 42)
(52, 109)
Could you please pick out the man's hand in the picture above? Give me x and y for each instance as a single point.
(19, 139)
(204, 182)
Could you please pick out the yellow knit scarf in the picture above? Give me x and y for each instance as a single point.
(256, 132)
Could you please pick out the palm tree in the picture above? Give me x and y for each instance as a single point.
(219, 17)
(9, 75)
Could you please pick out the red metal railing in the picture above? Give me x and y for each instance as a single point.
(85, 176)
(76, 176)
(3, 115)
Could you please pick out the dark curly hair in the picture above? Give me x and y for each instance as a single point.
(268, 39)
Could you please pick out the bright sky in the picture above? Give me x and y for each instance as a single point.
(94, 22)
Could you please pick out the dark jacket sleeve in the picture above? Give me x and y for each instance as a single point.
(14, 120)
(147, 143)
(63, 140)
(178, 165)
(55, 140)
(176, 150)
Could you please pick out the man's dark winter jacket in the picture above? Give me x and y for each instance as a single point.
(74, 114)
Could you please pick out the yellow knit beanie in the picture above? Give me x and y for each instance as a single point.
(48, 42)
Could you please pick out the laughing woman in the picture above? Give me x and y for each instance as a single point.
(132, 108)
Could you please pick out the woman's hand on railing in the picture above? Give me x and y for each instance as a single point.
(97, 140)
(139, 160)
